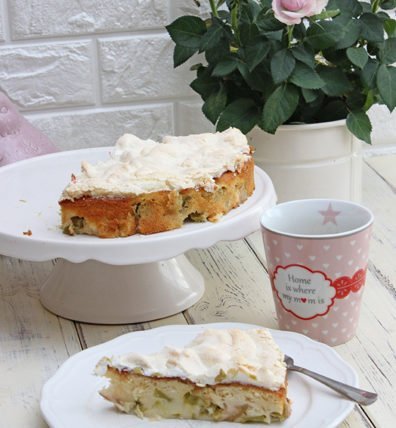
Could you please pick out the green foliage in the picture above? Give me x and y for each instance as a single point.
(280, 105)
(282, 65)
(359, 124)
(258, 71)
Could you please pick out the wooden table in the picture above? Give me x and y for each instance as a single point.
(34, 342)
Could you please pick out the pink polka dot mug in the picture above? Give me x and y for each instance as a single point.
(317, 253)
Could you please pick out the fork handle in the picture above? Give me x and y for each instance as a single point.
(359, 395)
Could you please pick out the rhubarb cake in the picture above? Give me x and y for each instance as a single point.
(148, 187)
(222, 375)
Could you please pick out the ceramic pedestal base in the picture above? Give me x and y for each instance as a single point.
(99, 293)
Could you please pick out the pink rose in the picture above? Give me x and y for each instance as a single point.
(292, 11)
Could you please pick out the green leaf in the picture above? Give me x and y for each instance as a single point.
(247, 33)
(357, 56)
(326, 14)
(259, 80)
(255, 53)
(275, 35)
(373, 48)
(249, 12)
(388, 4)
(371, 99)
(187, 31)
(304, 77)
(279, 107)
(309, 95)
(359, 124)
(244, 70)
(383, 15)
(334, 110)
(242, 114)
(387, 51)
(336, 83)
(356, 101)
(181, 54)
(305, 54)
(390, 27)
(369, 74)
(366, 7)
(372, 28)
(205, 86)
(337, 57)
(226, 67)
(312, 110)
(282, 65)
(386, 84)
(266, 4)
(218, 53)
(350, 34)
(267, 22)
(324, 34)
(212, 38)
(347, 7)
(215, 104)
(196, 67)
(223, 14)
(300, 31)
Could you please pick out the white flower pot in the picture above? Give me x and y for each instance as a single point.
(321, 160)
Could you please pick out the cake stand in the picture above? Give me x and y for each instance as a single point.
(109, 281)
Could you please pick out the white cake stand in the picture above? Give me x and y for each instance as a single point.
(109, 281)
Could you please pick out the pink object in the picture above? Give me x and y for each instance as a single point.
(317, 253)
(19, 139)
(292, 11)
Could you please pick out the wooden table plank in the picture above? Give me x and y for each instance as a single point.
(94, 334)
(357, 419)
(379, 196)
(372, 352)
(237, 286)
(33, 342)
(385, 167)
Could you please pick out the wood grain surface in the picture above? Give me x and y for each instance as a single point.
(34, 342)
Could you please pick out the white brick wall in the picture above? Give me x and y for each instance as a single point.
(45, 18)
(85, 71)
(139, 68)
(48, 75)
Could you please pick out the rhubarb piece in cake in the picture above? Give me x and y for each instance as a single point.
(222, 375)
(148, 187)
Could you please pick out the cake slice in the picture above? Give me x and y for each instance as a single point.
(222, 375)
(147, 187)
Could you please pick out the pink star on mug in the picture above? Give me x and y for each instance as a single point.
(329, 216)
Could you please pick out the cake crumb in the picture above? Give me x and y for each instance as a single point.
(28, 233)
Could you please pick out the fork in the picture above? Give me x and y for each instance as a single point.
(358, 395)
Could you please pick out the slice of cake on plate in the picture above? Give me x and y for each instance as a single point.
(222, 375)
(148, 187)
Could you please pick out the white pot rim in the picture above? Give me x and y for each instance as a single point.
(306, 126)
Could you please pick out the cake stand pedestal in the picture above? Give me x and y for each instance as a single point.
(100, 293)
(109, 281)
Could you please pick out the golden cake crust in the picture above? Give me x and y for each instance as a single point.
(155, 212)
(152, 396)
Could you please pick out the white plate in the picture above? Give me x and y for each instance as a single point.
(29, 193)
(70, 398)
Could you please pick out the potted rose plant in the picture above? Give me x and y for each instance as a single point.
(271, 65)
